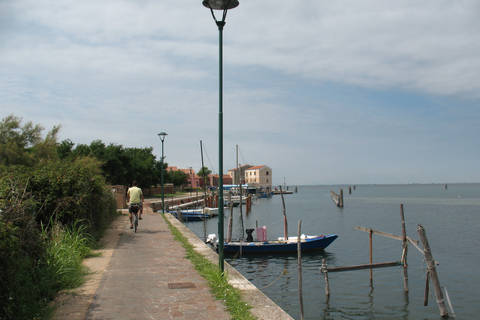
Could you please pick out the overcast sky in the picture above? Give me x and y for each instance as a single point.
(323, 92)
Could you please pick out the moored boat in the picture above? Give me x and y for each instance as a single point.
(307, 243)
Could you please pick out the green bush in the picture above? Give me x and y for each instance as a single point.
(25, 283)
(66, 192)
(49, 218)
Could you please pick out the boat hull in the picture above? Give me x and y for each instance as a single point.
(311, 244)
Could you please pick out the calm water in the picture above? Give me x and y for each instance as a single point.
(450, 217)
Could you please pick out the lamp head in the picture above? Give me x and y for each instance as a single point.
(220, 4)
(162, 135)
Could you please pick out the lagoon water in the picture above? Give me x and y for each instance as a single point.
(451, 218)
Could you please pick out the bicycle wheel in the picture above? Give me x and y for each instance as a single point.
(136, 222)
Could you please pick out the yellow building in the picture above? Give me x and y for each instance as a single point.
(259, 176)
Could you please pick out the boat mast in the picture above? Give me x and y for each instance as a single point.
(239, 175)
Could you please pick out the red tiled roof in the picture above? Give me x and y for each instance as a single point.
(256, 167)
(246, 165)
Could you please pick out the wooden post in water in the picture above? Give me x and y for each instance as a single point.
(371, 253)
(229, 231)
(427, 289)
(249, 204)
(300, 277)
(341, 198)
(285, 223)
(349, 190)
(405, 251)
(324, 270)
(433, 271)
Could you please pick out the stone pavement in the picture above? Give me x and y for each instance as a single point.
(145, 275)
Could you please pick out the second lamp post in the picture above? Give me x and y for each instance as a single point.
(162, 135)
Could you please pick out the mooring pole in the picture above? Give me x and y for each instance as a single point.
(405, 251)
(324, 270)
(427, 289)
(432, 271)
(341, 198)
(371, 253)
(300, 277)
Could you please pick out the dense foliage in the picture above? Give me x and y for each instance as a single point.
(51, 210)
(119, 165)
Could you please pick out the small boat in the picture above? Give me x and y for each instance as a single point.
(307, 243)
(189, 215)
(211, 212)
(265, 194)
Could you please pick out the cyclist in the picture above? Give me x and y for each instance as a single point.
(135, 197)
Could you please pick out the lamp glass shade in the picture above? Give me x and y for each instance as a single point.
(220, 4)
(162, 135)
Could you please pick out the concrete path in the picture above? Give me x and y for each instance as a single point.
(145, 275)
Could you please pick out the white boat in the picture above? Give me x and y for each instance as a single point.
(211, 212)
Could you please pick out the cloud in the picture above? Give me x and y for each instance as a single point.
(359, 86)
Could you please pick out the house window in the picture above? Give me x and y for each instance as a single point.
(267, 173)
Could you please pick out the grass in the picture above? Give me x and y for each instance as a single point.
(66, 249)
(219, 286)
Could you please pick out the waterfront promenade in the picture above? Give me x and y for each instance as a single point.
(145, 275)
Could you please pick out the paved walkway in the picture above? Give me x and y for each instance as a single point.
(145, 275)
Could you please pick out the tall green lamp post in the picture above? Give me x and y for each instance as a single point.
(224, 6)
(162, 135)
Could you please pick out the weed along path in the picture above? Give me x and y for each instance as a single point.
(146, 275)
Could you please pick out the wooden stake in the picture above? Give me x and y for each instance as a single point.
(365, 266)
(433, 271)
(285, 223)
(405, 251)
(324, 270)
(341, 198)
(371, 253)
(300, 279)
(427, 289)
(229, 232)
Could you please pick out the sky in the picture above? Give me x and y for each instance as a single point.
(322, 92)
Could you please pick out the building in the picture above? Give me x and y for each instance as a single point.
(254, 176)
(259, 176)
(195, 181)
(192, 179)
(238, 174)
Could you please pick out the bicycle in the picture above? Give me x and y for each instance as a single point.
(134, 210)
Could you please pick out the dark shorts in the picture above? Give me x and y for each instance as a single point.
(134, 207)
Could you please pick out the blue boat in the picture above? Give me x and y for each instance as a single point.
(307, 243)
(190, 216)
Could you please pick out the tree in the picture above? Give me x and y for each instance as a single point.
(178, 177)
(23, 145)
(120, 166)
(65, 149)
(204, 172)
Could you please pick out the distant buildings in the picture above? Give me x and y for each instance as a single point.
(195, 181)
(254, 176)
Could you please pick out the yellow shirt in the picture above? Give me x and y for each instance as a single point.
(135, 194)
